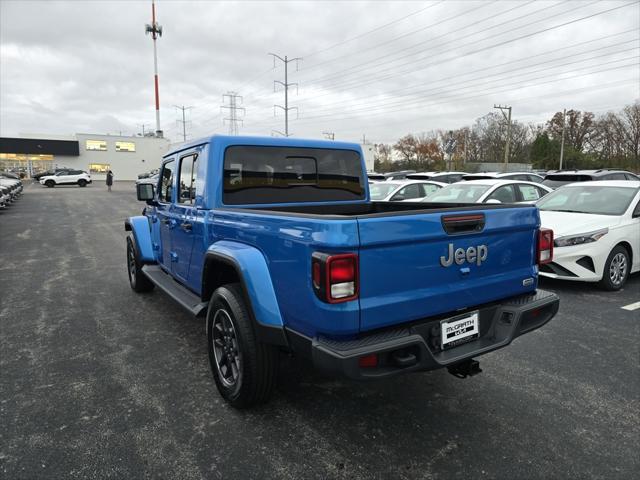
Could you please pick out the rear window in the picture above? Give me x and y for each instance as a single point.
(262, 175)
(554, 181)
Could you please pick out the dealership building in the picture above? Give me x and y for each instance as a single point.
(125, 156)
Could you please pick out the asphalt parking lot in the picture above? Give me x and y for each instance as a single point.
(99, 382)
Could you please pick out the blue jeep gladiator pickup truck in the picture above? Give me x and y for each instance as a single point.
(276, 243)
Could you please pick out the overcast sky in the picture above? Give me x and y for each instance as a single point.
(377, 68)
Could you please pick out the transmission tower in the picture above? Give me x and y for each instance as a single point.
(507, 117)
(329, 135)
(286, 86)
(184, 122)
(232, 109)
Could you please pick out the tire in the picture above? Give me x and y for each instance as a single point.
(82, 182)
(616, 269)
(50, 183)
(137, 280)
(244, 369)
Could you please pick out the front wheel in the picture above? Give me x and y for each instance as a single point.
(616, 269)
(138, 280)
(244, 369)
(50, 183)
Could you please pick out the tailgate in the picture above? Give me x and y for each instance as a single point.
(402, 276)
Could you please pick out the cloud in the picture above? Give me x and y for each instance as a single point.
(69, 66)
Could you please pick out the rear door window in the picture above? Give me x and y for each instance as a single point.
(505, 194)
(529, 193)
(263, 175)
(186, 180)
(614, 176)
(428, 189)
(407, 193)
(166, 181)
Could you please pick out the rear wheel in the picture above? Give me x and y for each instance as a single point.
(82, 182)
(50, 183)
(138, 280)
(616, 269)
(244, 369)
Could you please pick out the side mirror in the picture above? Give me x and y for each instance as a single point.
(493, 200)
(145, 192)
(397, 198)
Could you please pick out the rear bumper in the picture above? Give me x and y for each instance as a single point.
(500, 323)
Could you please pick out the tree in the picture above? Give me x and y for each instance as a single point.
(579, 126)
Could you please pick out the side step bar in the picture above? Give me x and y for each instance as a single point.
(186, 298)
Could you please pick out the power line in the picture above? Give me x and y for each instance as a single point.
(233, 109)
(413, 68)
(529, 57)
(331, 47)
(488, 78)
(456, 96)
(286, 86)
(561, 93)
(421, 29)
(183, 121)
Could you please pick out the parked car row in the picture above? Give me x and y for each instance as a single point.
(10, 189)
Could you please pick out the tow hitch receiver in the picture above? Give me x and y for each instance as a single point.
(465, 369)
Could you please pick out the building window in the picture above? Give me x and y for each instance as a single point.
(99, 167)
(125, 147)
(100, 145)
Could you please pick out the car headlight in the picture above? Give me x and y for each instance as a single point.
(580, 239)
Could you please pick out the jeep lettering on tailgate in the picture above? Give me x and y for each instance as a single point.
(475, 255)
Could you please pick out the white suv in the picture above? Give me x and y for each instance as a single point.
(66, 177)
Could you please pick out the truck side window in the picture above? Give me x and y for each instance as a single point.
(166, 181)
(186, 179)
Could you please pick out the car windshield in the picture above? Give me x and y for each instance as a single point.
(458, 193)
(596, 200)
(379, 191)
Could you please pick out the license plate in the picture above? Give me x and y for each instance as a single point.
(460, 330)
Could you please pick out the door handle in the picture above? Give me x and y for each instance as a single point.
(186, 226)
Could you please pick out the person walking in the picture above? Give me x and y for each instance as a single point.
(109, 179)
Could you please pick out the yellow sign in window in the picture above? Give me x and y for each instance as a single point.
(99, 167)
(125, 147)
(100, 145)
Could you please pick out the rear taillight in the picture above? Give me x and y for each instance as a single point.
(545, 246)
(335, 277)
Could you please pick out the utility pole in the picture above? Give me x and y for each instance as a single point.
(142, 125)
(183, 121)
(564, 122)
(364, 139)
(286, 86)
(156, 31)
(508, 119)
(329, 135)
(233, 109)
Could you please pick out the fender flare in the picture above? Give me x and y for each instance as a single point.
(139, 227)
(250, 267)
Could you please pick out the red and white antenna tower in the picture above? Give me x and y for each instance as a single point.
(156, 31)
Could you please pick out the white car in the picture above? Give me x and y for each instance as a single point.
(402, 191)
(66, 177)
(490, 191)
(596, 227)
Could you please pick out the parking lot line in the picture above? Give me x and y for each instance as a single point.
(632, 306)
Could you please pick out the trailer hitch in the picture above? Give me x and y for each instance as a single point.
(465, 369)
